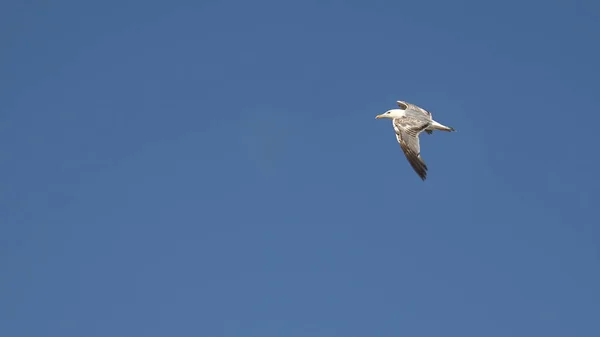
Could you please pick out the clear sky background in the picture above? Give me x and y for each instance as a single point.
(214, 168)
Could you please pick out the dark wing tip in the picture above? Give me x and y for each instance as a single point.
(416, 162)
(419, 166)
(402, 105)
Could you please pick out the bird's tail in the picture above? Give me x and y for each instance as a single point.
(437, 126)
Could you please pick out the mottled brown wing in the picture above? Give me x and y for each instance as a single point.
(407, 133)
(411, 107)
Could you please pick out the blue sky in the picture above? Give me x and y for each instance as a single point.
(214, 168)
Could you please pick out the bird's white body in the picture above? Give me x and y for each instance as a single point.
(399, 113)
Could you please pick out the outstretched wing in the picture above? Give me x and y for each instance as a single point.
(411, 107)
(403, 105)
(407, 133)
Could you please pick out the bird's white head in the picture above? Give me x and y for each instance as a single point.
(391, 114)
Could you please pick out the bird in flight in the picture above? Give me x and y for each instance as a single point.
(408, 122)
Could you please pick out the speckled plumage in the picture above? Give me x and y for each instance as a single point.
(408, 122)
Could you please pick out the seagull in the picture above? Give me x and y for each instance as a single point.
(408, 122)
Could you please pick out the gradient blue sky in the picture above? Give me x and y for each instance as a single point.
(214, 168)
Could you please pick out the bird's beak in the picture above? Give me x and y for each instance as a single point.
(378, 116)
